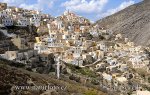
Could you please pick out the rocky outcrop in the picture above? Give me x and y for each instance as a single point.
(7, 33)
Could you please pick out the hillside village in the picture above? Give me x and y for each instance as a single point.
(74, 40)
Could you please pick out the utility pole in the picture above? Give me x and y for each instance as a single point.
(58, 67)
(7, 52)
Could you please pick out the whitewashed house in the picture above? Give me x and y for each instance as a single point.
(35, 20)
(70, 28)
(66, 36)
(111, 61)
(135, 50)
(82, 28)
(77, 51)
(23, 22)
(59, 24)
(86, 56)
(10, 55)
(138, 61)
(107, 77)
(94, 32)
(4, 14)
(77, 62)
(121, 79)
(78, 43)
(53, 42)
(123, 67)
(102, 46)
(93, 54)
(138, 92)
(118, 36)
(40, 47)
(7, 21)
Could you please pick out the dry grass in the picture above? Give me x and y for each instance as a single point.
(42, 79)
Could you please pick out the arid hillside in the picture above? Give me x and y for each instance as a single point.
(11, 78)
(133, 22)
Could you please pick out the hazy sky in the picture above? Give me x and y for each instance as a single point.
(91, 9)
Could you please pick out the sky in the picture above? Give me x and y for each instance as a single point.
(91, 9)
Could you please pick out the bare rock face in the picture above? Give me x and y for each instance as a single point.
(133, 22)
(146, 0)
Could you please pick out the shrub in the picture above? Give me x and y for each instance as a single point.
(91, 92)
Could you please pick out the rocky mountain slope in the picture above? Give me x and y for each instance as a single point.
(133, 22)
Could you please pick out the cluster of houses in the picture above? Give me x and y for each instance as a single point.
(115, 67)
(112, 58)
(19, 56)
(13, 16)
(67, 39)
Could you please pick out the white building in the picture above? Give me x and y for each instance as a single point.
(35, 20)
(107, 77)
(4, 14)
(138, 61)
(23, 22)
(142, 93)
(121, 79)
(7, 21)
(40, 47)
(9, 55)
(59, 24)
(70, 28)
(53, 42)
(66, 36)
(137, 49)
(102, 46)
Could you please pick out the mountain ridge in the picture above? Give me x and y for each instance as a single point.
(132, 22)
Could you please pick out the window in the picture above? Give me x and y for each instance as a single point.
(46, 58)
(13, 55)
